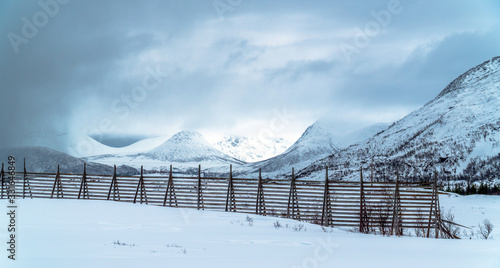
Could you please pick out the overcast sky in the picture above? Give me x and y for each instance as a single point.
(228, 67)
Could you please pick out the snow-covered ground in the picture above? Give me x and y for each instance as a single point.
(82, 233)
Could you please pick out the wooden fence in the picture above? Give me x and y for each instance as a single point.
(390, 208)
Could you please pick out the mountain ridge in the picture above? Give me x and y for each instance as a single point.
(313, 142)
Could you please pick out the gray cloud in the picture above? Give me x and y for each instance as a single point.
(221, 73)
(425, 72)
(295, 70)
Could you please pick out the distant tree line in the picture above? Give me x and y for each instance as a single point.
(471, 188)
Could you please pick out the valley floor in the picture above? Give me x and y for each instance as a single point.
(82, 233)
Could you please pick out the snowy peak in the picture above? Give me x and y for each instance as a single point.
(189, 146)
(343, 134)
(187, 137)
(314, 130)
(484, 72)
(316, 137)
(315, 143)
(252, 149)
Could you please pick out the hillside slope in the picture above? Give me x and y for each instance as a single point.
(315, 143)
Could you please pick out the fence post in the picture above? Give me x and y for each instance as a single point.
(114, 186)
(260, 207)
(24, 178)
(170, 189)
(84, 186)
(141, 187)
(290, 194)
(2, 175)
(326, 202)
(396, 224)
(26, 183)
(230, 202)
(199, 200)
(437, 209)
(433, 205)
(138, 187)
(57, 183)
(363, 228)
(293, 198)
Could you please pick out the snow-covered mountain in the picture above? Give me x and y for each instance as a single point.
(248, 149)
(252, 149)
(189, 146)
(185, 151)
(315, 143)
(45, 160)
(458, 132)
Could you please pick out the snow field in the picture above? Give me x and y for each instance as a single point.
(83, 233)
